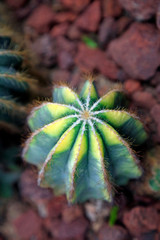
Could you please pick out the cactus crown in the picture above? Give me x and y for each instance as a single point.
(79, 143)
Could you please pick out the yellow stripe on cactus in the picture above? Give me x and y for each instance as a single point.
(114, 99)
(51, 111)
(77, 156)
(52, 172)
(96, 157)
(88, 93)
(65, 95)
(42, 141)
(126, 124)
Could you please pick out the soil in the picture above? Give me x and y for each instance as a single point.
(123, 48)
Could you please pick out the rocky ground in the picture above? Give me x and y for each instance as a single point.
(117, 40)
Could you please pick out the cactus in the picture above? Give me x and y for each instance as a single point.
(9, 170)
(154, 182)
(15, 92)
(15, 86)
(150, 183)
(79, 143)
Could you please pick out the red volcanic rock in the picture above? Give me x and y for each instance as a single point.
(16, 3)
(158, 137)
(158, 16)
(114, 232)
(141, 220)
(75, 79)
(122, 24)
(30, 190)
(90, 18)
(58, 75)
(24, 11)
(41, 18)
(111, 8)
(157, 206)
(158, 93)
(107, 31)
(137, 51)
(55, 206)
(132, 85)
(156, 79)
(140, 10)
(67, 231)
(71, 213)
(143, 99)
(76, 6)
(159, 226)
(64, 17)
(63, 44)
(149, 236)
(158, 89)
(28, 225)
(45, 49)
(66, 53)
(65, 60)
(155, 113)
(74, 32)
(94, 59)
(59, 30)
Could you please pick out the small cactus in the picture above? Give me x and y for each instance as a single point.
(16, 89)
(79, 143)
(9, 170)
(150, 183)
(154, 182)
(15, 86)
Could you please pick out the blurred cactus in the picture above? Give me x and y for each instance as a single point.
(9, 170)
(154, 182)
(80, 143)
(16, 90)
(15, 86)
(150, 183)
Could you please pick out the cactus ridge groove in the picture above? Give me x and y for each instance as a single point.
(41, 173)
(75, 164)
(119, 137)
(105, 177)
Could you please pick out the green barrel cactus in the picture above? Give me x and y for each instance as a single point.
(80, 143)
(15, 86)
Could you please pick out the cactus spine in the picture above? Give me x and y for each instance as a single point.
(79, 143)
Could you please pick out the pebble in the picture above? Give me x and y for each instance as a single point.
(137, 51)
(141, 220)
(41, 18)
(140, 10)
(90, 18)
